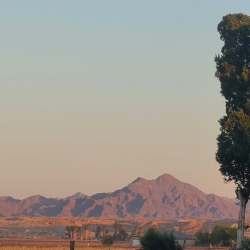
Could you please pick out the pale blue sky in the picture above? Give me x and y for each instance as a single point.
(94, 94)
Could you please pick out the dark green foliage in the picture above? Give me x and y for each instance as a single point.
(246, 243)
(107, 240)
(98, 232)
(154, 240)
(233, 71)
(232, 67)
(119, 234)
(234, 149)
(202, 238)
(220, 236)
(137, 231)
(104, 231)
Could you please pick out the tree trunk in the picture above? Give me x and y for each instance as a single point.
(72, 245)
(74, 235)
(86, 234)
(241, 220)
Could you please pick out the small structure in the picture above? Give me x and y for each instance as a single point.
(135, 240)
(182, 238)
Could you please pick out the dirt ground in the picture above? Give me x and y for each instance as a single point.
(27, 244)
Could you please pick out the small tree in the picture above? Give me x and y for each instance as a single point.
(86, 232)
(98, 232)
(154, 240)
(108, 240)
(104, 231)
(119, 234)
(202, 238)
(72, 231)
(137, 231)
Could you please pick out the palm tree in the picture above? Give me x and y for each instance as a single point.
(86, 232)
(104, 231)
(72, 231)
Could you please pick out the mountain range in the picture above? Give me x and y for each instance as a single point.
(165, 198)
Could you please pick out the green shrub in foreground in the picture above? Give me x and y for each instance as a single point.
(154, 240)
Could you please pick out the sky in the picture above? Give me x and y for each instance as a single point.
(94, 94)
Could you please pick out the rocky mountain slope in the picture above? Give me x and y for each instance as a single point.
(164, 197)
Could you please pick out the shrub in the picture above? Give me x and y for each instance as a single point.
(107, 240)
(154, 240)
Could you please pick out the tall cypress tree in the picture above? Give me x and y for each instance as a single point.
(233, 72)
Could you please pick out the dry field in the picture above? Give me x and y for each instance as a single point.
(64, 248)
(18, 244)
(190, 225)
(48, 233)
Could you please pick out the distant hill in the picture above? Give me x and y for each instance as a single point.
(164, 197)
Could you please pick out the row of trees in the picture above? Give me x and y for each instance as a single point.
(101, 232)
(151, 240)
(119, 232)
(220, 236)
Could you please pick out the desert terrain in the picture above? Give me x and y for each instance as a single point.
(54, 227)
(48, 233)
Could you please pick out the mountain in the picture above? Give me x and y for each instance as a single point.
(164, 197)
(76, 196)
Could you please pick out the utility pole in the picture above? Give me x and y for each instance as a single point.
(90, 232)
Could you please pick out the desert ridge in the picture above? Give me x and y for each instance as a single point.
(162, 198)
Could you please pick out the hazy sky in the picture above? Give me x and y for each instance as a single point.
(94, 94)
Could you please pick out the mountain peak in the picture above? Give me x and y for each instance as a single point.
(137, 180)
(77, 195)
(163, 197)
(166, 177)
